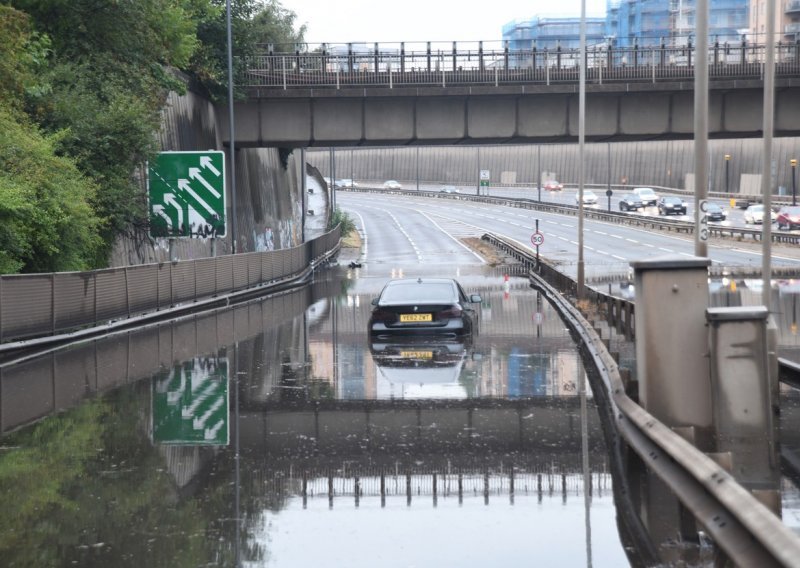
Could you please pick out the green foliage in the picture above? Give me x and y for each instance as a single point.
(46, 222)
(23, 53)
(253, 24)
(339, 217)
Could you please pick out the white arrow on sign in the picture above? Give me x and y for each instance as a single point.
(169, 199)
(205, 162)
(158, 210)
(184, 185)
(194, 173)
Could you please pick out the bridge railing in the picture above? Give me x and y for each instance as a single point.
(34, 305)
(391, 68)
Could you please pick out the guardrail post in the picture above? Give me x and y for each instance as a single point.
(481, 66)
(127, 293)
(455, 56)
(744, 383)
(53, 302)
(283, 67)
(377, 63)
(428, 55)
(671, 339)
(402, 57)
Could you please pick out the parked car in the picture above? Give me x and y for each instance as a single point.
(630, 201)
(788, 218)
(754, 215)
(589, 197)
(553, 185)
(449, 189)
(647, 195)
(392, 184)
(669, 204)
(715, 213)
(409, 306)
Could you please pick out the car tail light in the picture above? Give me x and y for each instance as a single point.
(450, 312)
(384, 316)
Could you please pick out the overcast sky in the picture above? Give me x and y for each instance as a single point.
(423, 20)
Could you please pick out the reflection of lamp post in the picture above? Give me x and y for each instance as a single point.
(794, 181)
(727, 173)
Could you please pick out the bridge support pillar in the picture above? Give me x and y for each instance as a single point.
(744, 372)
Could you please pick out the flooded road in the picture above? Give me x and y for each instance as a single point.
(277, 434)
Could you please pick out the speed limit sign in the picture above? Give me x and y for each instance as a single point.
(537, 239)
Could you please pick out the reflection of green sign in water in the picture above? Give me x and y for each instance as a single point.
(190, 403)
(187, 194)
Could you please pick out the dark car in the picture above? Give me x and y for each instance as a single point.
(435, 306)
(670, 204)
(788, 218)
(630, 201)
(715, 213)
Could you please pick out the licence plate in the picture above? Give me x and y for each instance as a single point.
(417, 354)
(416, 317)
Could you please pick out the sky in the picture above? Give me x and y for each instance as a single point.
(384, 21)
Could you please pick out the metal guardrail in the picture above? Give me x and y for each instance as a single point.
(358, 66)
(745, 529)
(658, 223)
(33, 305)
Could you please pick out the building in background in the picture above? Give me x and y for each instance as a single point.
(646, 23)
(787, 20)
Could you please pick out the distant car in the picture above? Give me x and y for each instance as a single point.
(449, 189)
(647, 195)
(344, 184)
(788, 218)
(553, 185)
(422, 306)
(589, 197)
(630, 201)
(754, 215)
(715, 213)
(392, 184)
(669, 204)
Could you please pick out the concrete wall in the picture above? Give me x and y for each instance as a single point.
(268, 189)
(659, 163)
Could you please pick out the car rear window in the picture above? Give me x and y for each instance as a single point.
(419, 292)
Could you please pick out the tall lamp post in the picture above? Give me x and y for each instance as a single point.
(793, 162)
(727, 173)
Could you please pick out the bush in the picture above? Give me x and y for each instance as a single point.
(339, 217)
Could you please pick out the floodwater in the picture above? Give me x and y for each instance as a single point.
(275, 433)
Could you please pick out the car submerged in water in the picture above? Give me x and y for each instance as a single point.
(423, 306)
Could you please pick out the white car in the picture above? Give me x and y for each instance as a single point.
(647, 195)
(754, 215)
(589, 197)
(392, 184)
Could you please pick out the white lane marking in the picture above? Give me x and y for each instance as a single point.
(618, 257)
(601, 233)
(620, 237)
(665, 249)
(363, 232)
(402, 230)
(452, 237)
(634, 241)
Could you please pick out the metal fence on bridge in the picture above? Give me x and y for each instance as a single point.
(41, 304)
(358, 66)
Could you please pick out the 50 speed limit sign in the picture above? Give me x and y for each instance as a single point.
(537, 239)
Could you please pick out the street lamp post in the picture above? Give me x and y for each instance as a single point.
(727, 173)
(794, 181)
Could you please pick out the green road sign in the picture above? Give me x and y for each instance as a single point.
(187, 194)
(190, 403)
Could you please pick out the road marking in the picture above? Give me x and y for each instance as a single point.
(665, 249)
(618, 257)
(634, 241)
(479, 257)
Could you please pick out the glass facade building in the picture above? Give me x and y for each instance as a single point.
(627, 23)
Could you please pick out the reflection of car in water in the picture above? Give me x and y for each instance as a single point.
(420, 367)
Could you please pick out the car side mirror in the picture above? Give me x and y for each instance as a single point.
(475, 298)
(374, 301)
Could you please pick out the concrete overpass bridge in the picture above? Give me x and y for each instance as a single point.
(392, 96)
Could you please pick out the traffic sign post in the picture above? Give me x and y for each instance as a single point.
(485, 177)
(186, 192)
(537, 240)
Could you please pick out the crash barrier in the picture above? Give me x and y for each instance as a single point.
(643, 221)
(34, 305)
(741, 526)
(618, 312)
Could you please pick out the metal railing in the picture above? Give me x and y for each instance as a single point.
(740, 525)
(441, 68)
(34, 305)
